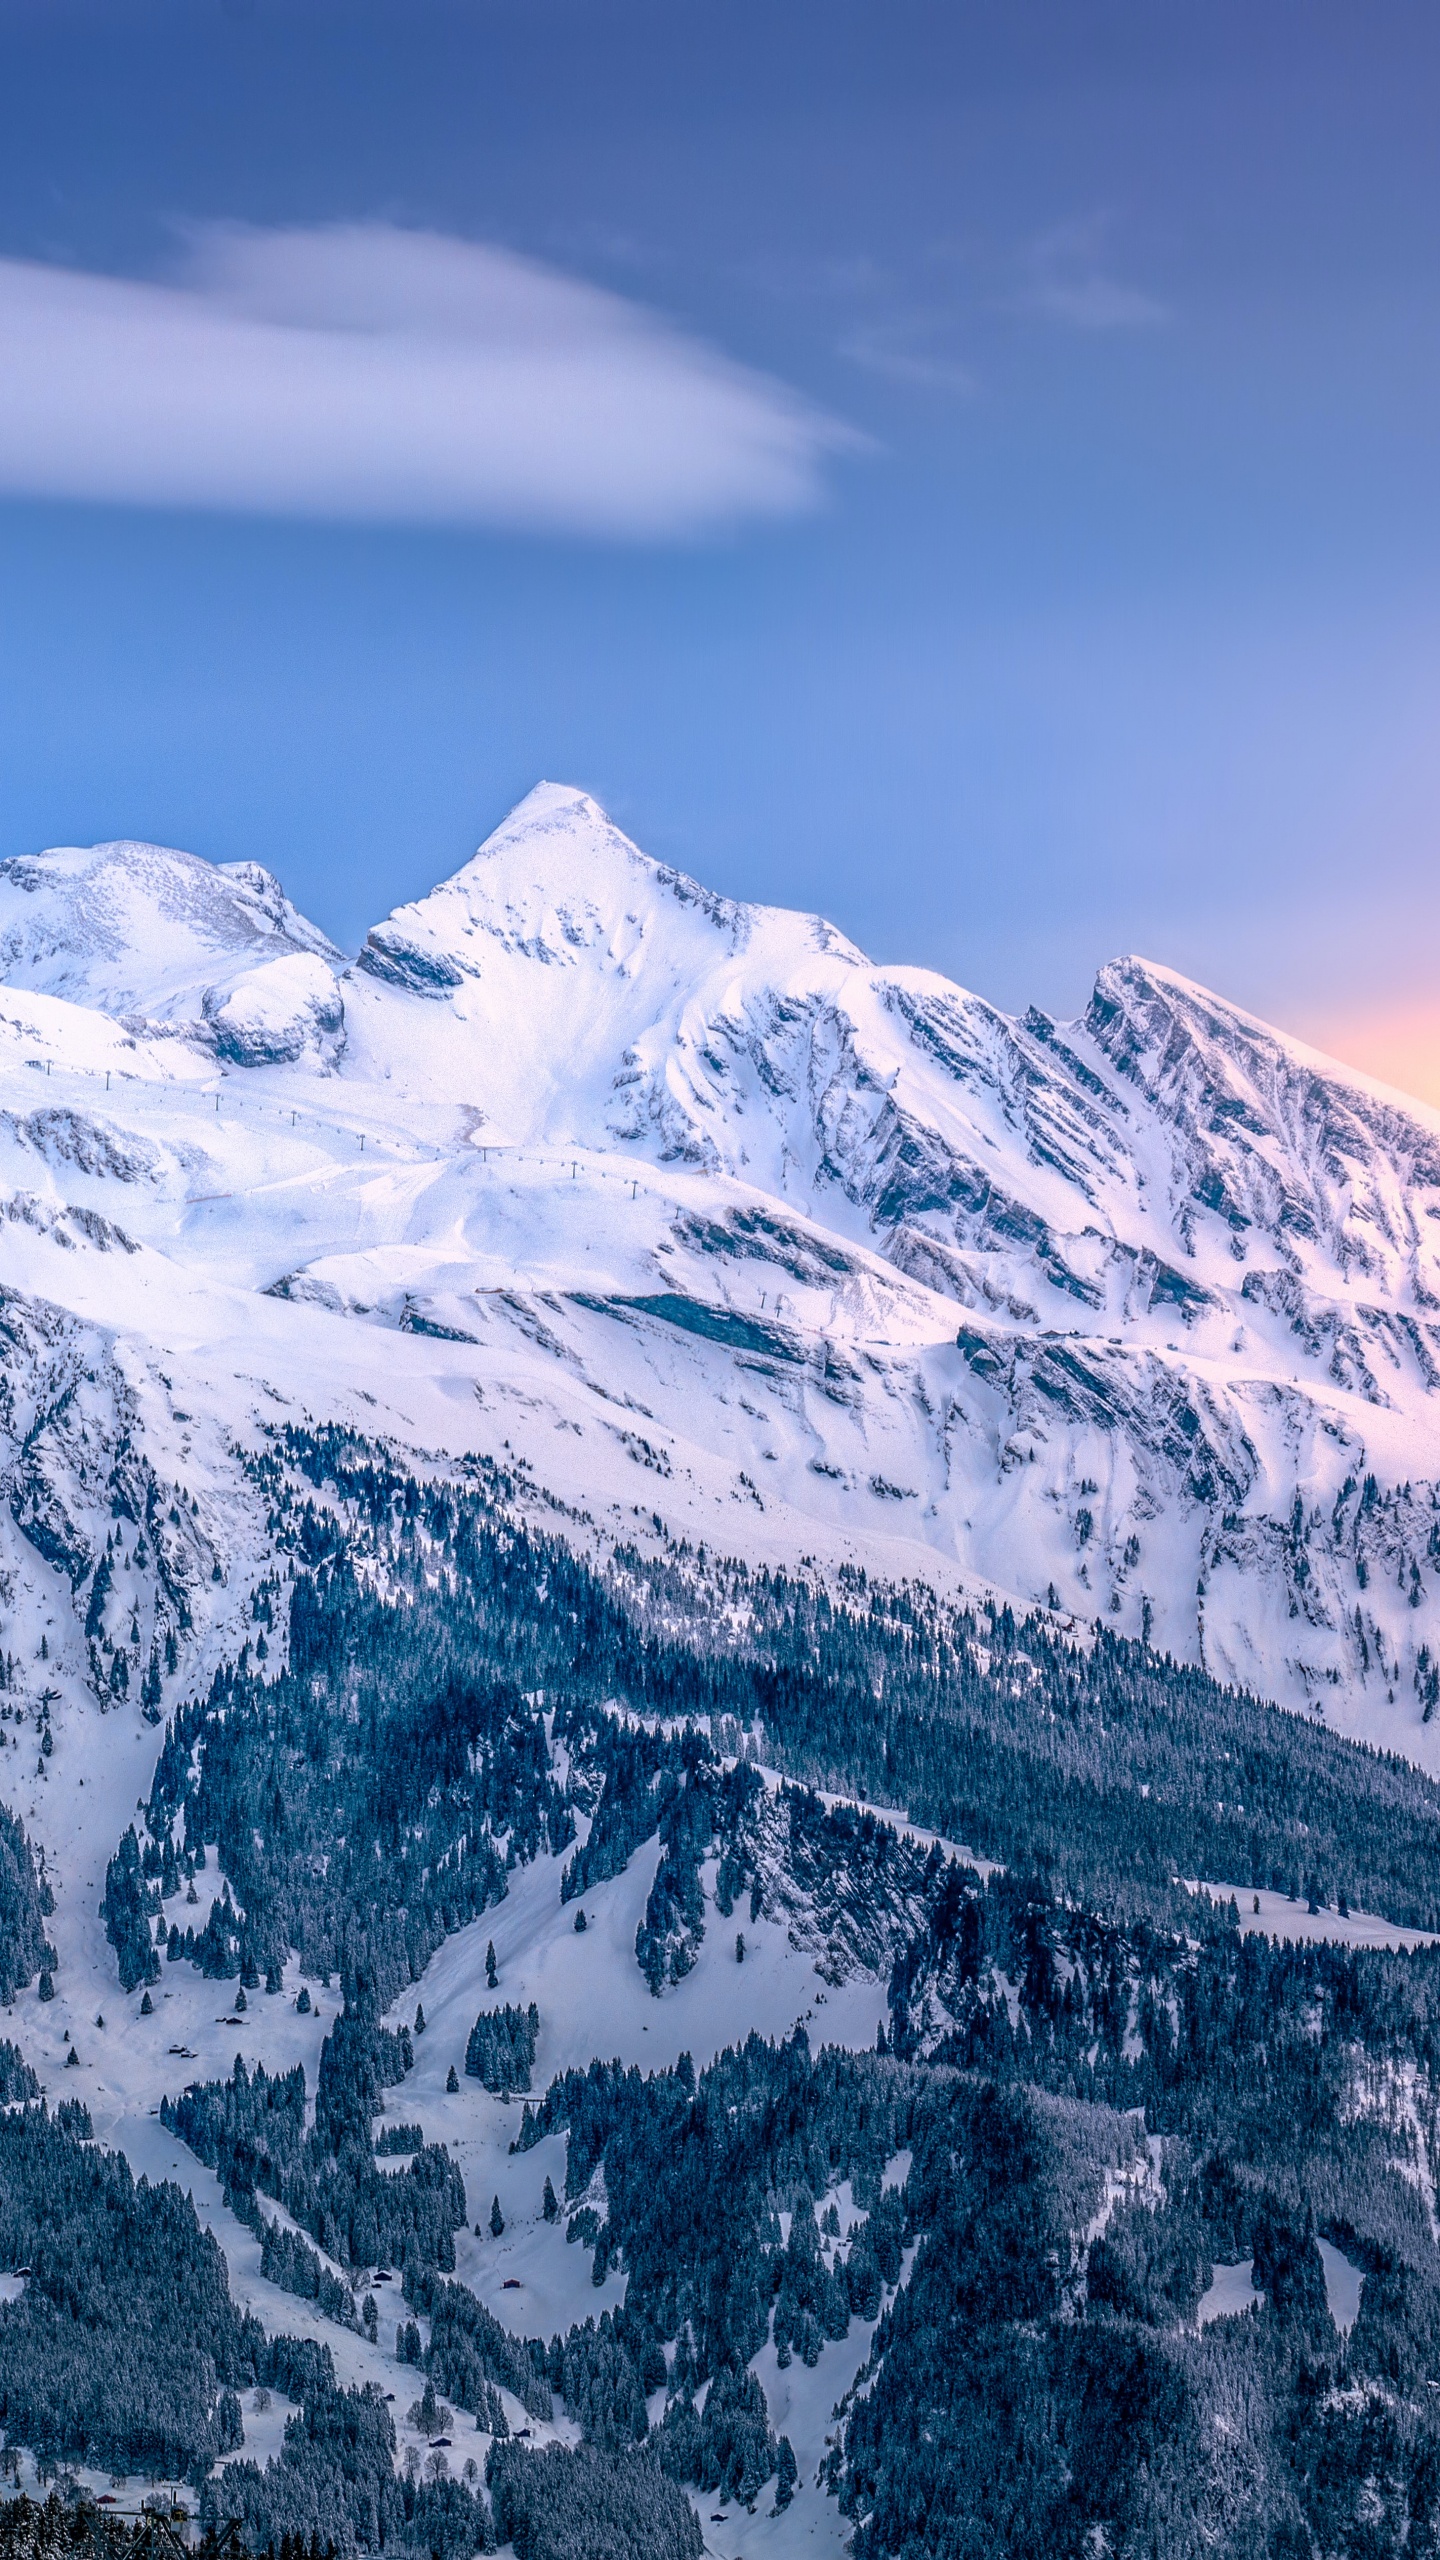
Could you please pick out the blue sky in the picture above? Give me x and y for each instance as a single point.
(970, 468)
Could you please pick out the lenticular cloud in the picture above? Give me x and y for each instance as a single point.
(361, 371)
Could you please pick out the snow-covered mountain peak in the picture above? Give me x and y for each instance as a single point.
(556, 883)
(563, 976)
(140, 929)
(793, 1296)
(558, 844)
(1079, 1308)
(562, 829)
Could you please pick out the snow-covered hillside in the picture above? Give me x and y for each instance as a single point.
(711, 1220)
(137, 931)
(677, 1233)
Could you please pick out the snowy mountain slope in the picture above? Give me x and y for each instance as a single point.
(708, 1216)
(1198, 1261)
(845, 1259)
(162, 939)
(626, 1216)
(816, 1953)
(127, 2061)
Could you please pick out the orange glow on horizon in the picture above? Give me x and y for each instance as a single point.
(1399, 1044)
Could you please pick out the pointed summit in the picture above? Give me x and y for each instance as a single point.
(554, 808)
(563, 981)
(556, 878)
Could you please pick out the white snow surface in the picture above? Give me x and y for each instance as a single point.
(1230, 2290)
(136, 929)
(1274, 1915)
(1343, 2280)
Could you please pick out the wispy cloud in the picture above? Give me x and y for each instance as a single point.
(911, 346)
(935, 329)
(1066, 278)
(365, 372)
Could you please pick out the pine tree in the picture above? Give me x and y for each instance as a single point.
(497, 2219)
(550, 2203)
(452, 2084)
(492, 1978)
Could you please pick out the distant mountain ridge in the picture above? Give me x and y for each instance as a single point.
(709, 1217)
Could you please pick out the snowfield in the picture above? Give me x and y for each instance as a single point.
(1232, 2290)
(1274, 1915)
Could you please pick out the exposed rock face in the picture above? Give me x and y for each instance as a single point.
(274, 1015)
